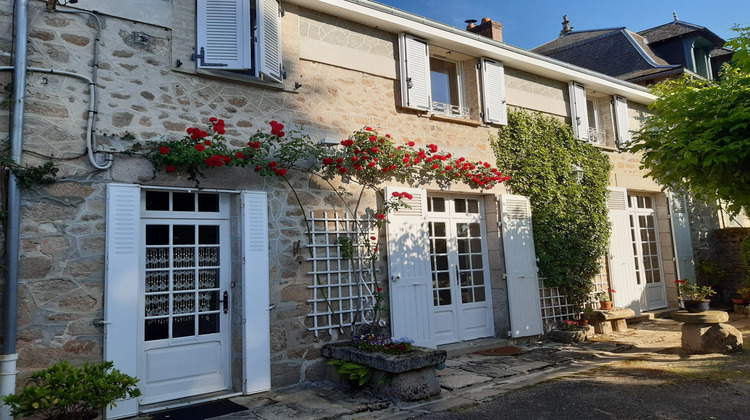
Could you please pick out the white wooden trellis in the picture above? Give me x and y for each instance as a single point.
(555, 305)
(342, 288)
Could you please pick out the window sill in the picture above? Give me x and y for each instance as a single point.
(240, 78)
(446, 118)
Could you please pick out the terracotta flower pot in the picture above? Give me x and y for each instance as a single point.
(739, 301)
(605, 304)
(697, 306)
(583, 322)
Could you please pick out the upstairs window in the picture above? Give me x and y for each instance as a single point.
(240, 35)
(587, 122)
(432, 82)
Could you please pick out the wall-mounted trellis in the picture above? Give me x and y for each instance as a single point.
(342, 288)
(555, 305)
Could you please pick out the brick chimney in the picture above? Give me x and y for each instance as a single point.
(488, 28)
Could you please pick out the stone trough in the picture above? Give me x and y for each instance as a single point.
(409, 377)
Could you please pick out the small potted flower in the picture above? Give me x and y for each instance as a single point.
(605, 302)
(694, 298)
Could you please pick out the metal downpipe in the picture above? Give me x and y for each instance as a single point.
(10, 295)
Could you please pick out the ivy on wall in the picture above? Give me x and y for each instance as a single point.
(571, 226)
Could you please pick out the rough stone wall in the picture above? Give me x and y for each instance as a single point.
(732, 270)
(141, 94)
(340, 32)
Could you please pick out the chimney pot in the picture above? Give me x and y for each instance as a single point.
(488, 28)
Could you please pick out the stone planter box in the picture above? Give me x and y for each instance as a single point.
(407, 377)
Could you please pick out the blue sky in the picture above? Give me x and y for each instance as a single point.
(528, 24)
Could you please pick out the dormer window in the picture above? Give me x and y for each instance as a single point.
(700, 59)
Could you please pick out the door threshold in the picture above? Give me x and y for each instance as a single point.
(472, 346)
(182, 402)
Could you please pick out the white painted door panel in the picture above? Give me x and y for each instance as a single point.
(520, 266)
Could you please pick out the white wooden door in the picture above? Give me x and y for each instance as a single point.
(184, 304)
(461, 293)
(520, 266)
(629, 290)
(683, 244)
(647, 249)
(409, 270)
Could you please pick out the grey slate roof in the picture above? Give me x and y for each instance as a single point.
(622, 53)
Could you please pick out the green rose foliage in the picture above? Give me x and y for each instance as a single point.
(698, 137)
(571, 225)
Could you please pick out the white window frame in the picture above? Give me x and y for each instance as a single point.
(460, 110)
(226, 39)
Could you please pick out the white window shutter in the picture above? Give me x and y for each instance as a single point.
(223, 34)
(269, 39)
(520, 266)
(578, 115)
(256, 338)
(493, 92)
(683, 244)
(622, 120)
(121, 279)
(409, 268)
(414, 56)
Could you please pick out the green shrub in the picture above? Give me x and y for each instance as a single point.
(353, 372)
(65, 392)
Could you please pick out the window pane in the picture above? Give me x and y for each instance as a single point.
(183, 201)
(157, 234)
(157, 200)
(441, 246)
(438, 230)
(157, 329)
(437, 205)
(183, 326)
(460, 205)
(183, 234)
(208, 235)
(208, 324)
(473, 206)
(208, 202)
(444, 81)
(479, 294)
(591, 109)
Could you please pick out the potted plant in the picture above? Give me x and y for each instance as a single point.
(65, 392)
(743, 296)
(588, 313)
(605, 302)
(694, 298)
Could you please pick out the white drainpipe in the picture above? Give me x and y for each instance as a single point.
(10, 297)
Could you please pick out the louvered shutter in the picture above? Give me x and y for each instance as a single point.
(255, 293)
(409, 269)
(269, 39)
(121, 277)
(683, 244)
(578, 115)
(414, 55)
(622, 269)
(520, 266)
(622, 121)
(223, 34)
(493, 92)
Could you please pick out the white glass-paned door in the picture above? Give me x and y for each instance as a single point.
(458, 257)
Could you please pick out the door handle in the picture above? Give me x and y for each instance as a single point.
(225, 302)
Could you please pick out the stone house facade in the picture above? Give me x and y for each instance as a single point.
(204, 293)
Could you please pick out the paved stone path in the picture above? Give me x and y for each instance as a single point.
(469, 379)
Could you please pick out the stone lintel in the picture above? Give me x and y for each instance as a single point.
(708, 317)
(419, 358)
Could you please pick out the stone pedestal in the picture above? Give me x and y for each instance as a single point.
(409, 377)
(706, 332)
(611, 320)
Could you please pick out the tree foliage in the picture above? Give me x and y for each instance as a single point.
(698, 137)
(571, 226)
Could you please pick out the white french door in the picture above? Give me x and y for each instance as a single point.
(184, 295)
(644, 235)
(461, 304)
